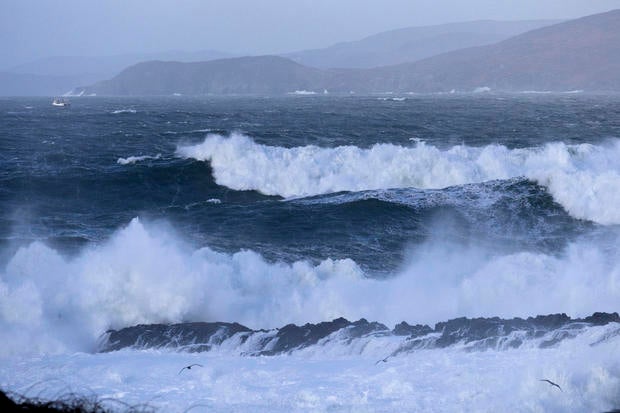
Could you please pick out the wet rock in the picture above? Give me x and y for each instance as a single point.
(474, 334)
(190, 336)
(418, 330)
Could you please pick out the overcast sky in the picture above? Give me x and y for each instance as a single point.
(31, 29)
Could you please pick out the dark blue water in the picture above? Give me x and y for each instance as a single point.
(61, 182)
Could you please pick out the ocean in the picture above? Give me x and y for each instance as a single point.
(271, 211)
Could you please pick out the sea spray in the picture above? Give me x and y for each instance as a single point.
(146, 274)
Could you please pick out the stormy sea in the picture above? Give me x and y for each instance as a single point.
(313, 253)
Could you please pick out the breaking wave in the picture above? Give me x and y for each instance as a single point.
(120, 111)
(584, 178)
(133, 159)
(146, 274)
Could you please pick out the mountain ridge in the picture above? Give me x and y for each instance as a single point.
(239, 75)
(560, 57)
(57, 75)
(410, 44)
(580, 54)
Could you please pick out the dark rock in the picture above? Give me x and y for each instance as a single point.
(291, 336)
(362, 328)
(474, 333)
(464, 329)
(600, 319)
(203, 335)
(550, 321)
(418, 330)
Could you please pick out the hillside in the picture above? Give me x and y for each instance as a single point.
(578, 54)
(413, 43)
(244, 75)
(59, 74)
(106, 66)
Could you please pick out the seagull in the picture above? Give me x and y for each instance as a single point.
(190, 367)
(383, 360)
(552, 383)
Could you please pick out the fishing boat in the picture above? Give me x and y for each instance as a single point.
(60, 102)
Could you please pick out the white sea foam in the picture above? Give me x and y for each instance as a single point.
(144, 274)
(303, 92)
(133, 159)
(429, 381)
(584, 178)
(119, 111)
(482, 89)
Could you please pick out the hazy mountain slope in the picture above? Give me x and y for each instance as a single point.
(413, 43)
(59, 74)
(107, 66)
(578, 54)
(245, 75)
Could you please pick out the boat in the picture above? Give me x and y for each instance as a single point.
(60, 102)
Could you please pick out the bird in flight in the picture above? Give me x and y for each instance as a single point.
(383, 360)
(552, 383)
(190, 367)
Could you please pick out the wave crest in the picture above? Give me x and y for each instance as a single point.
(584, 178)
(121, 111)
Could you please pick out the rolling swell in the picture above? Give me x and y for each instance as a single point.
(513, 208)
(374, 228)
(377, 228)
(87, 204)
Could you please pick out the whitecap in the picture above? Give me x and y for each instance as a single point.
(302, 92)
(583, 178)
(119, 111)
(133, 159)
